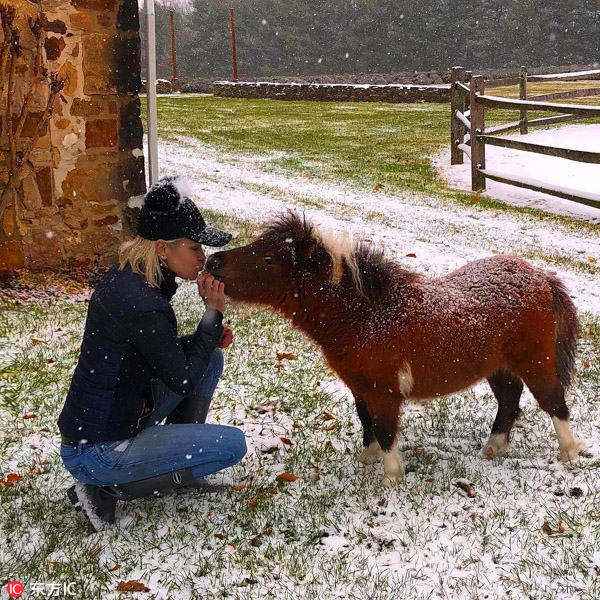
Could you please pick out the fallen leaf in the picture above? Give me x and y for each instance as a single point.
(286, 441)
(286, 477)
(467, 487)
(546, 528)
(254, 501)
(219, 536)
(411, 255)
(132, 586)
(378, 186)
(586, 364)
(32, 416)
(37, 341)
(429, 480)
(286, 356)
(240, 488)
(10, 480)
(328, 416)
(592, 259)
(561, 528)
(115, 568)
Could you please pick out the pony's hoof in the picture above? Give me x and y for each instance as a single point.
(389, 481)
(371, 454)
(497, 445)
(490, 451)
(572, 452)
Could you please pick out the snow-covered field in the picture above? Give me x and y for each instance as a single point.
(529, 529)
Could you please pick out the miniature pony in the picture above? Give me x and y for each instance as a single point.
(393, 335)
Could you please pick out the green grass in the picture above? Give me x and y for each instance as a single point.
(373, 146)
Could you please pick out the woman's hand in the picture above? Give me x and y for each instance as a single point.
(212, 291)
(226, 339)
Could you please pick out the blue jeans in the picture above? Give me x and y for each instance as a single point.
(160, 449)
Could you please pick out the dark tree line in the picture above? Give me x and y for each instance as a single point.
(284, 37)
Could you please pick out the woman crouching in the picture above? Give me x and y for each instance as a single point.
(134, 372)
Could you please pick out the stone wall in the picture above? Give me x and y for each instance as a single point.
(71, 207)
(332, 92)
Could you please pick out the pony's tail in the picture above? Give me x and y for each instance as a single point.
(566, 328)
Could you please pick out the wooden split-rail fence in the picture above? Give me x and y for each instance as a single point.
(469, 135)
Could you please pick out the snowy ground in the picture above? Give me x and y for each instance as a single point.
(531, 529)
(578, 176)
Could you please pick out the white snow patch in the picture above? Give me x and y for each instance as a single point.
(550, 169)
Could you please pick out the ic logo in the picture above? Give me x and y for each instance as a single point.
(177, 478)
(15, 589)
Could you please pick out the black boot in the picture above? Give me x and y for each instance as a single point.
(153, 486)
(96, 505)
(190, 410)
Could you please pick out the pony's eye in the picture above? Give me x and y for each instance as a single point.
(270, 259)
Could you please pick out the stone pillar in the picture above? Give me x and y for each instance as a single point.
(89, 160)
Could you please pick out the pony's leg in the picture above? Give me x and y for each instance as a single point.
(371, 452)
(551, 398)
(384, 411)
(507, 389)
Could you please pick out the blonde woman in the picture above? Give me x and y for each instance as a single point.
(134, 372)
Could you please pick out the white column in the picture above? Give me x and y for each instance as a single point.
(151, 91)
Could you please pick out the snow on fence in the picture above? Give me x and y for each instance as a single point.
(469, 136)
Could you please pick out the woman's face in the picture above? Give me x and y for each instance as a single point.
(185, 258)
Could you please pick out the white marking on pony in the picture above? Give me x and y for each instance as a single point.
(393, 467)
(341, 248)
(497, 445)
(405, 380)
(370, 454)
(568, 444)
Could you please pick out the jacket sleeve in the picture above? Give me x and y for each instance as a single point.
(154, 336)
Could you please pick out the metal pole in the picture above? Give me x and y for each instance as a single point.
(233, 49)
(151, 92)
(175, 81)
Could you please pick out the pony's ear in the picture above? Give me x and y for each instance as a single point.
(305, 251)
(314, 256)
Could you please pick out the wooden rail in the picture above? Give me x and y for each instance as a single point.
(571, 109)
(468, 114)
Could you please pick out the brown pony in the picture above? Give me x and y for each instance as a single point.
(391, 334)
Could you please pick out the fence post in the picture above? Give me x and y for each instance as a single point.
(477, 127)
(457, 102)
(468, 76)
(523, 128)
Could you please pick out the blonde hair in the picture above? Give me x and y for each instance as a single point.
(140, 254)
